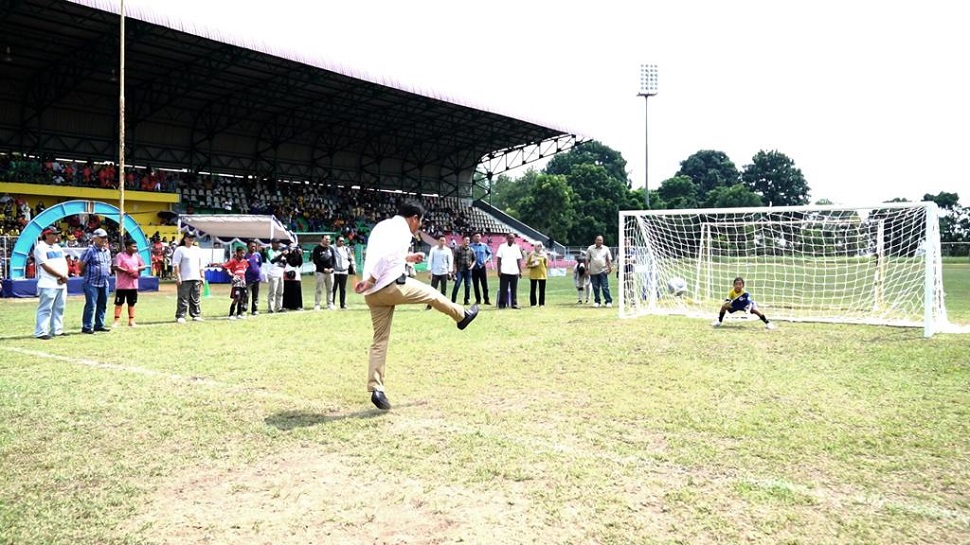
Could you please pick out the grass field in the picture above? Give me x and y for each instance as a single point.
(551, 425)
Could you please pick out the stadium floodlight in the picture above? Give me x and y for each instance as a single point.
(648, 88)
(877, 264)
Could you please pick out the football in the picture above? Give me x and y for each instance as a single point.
(677, 286)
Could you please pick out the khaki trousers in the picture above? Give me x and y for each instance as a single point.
(382, 303)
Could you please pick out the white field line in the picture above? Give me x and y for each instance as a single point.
(833, 498)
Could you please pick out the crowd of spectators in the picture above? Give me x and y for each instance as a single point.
(53, 171)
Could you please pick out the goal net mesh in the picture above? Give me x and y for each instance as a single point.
(877, 265)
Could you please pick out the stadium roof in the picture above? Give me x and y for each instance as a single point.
(214, 101)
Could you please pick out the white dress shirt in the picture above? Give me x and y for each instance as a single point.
(387, 248)
(440, 261)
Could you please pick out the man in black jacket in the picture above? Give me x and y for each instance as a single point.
(323, 259)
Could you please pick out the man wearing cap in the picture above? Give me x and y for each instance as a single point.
(95, 267)
(51, 284)
(187, 268)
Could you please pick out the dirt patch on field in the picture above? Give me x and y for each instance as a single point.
(310, 496)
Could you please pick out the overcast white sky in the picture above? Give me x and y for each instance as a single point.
(870, 99)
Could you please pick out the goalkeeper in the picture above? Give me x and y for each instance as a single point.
(740, 300)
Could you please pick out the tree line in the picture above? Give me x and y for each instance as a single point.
(579, 193)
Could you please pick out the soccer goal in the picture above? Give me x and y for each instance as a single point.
(868, 265)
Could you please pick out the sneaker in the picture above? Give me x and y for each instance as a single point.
(769, 326)
(180, 320)
(255, 313)
(132, 324)
(232, 316)
(197, 319)
(316, 307)
(596, 305)
(242, 316)
(331, 307)
(579, 301)
(716, 323)
(609, 305)
(115, 324)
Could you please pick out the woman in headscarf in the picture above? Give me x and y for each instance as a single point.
(538, 264)
(292, 286)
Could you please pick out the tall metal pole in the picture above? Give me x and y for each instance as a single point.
(646, 151)
(121, 133)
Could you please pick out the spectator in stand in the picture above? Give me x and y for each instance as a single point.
(238, 267)
(323, 260)
(600, 267)
(128, 266)
(51, 286)
(73, 267)
(255, 260)
(277, 260)
(95, 265)
(187, 267)
(464, 264)
(538, 263)
(483, 254)
(343, 267)
(509, 260)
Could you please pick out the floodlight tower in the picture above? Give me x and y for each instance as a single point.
(648, 88)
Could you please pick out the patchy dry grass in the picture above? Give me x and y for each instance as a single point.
(559, 425)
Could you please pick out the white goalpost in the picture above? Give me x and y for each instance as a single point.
(877, 264)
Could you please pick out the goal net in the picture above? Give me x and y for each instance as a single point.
(873, 265)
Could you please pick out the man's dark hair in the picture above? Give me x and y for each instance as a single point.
(410, 208)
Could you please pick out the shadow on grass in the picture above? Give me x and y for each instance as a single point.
(288, 420)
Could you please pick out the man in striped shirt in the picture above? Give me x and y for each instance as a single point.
(95, 266)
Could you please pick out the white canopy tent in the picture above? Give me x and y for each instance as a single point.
(229, 227)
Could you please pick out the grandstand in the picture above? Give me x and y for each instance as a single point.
(232, 125)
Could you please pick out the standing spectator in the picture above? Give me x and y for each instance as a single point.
(51, 285)
(538, 265)
(464, 264)
(277, 261)
(292, 281)
(600, 267)
(483, 254)
(128, 265)
(581, 279)
(95, 265)
(386, 285)
(255, 260)
(323, 260)
(509, 257)
(238, 268)
(343, 266)
(187, 267)
(439, 267)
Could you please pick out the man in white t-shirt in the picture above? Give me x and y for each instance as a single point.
(509, 258)
(600, 267)
(51, 284)
(187, 267)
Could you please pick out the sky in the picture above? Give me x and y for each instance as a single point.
(871, 100)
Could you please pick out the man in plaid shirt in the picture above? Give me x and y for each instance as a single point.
(464, 263)
(95, 267)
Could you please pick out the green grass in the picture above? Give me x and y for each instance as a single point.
(560, 424)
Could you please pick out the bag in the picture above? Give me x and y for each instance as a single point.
(290, 275)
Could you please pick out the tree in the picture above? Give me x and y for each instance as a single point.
(590, 153)
(679, 192)
(549, 206)
(954, 219)
(508, 193)
(774, 177)
(946, 201)
(709, 169)
(599, 198)
(735, 196)
(824, 202)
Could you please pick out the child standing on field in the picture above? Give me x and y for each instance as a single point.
(738, 299)
(581, 279)
(237, 267)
